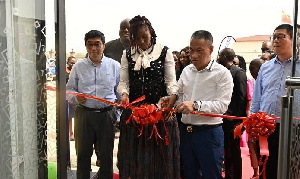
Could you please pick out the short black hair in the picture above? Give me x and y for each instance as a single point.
(256, 63)
(228, 53)
(203, 34)
(93, 34)
(288, 27)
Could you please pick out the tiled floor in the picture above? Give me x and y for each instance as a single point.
(94, 158)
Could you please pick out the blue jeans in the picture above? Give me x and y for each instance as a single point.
(202, 153)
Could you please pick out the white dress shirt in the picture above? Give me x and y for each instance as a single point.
(212, 86)
(143, 60)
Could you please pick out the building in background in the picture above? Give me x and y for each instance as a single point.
(249, 47)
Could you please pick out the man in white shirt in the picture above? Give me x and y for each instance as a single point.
(204, 86)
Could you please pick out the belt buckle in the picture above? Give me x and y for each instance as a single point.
(189, 129)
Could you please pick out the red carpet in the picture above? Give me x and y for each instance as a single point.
(247, 169)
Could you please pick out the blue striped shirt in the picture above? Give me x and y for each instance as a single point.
(100, 81)
(270, 86)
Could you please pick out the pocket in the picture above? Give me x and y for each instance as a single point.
(108, 81)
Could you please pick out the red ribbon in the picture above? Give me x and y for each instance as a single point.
(50, 88)
(258, 125)
(143, 115)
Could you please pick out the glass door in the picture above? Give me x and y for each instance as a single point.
(29, 115)
(23, 96)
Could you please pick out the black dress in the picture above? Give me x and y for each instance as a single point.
(141, 157)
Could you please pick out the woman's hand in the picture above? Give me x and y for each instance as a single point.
(167, 101)
(124, 100)
(171, 101)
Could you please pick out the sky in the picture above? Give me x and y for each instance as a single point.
(175, 21)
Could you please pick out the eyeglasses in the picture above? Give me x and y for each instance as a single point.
(97, 45)
(279, 37)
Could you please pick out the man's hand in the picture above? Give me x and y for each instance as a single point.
(185, 107)
(81, 99)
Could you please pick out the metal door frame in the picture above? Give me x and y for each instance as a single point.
(61, 124)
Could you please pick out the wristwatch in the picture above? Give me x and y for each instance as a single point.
(197, 105)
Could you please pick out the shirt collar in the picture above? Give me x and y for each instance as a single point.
(209, 67)
(149, 50)
(92, 63)
(285, 62)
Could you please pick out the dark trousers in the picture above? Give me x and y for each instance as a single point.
(272, 163)
(91, 126)
(202, 153)
(232, 151)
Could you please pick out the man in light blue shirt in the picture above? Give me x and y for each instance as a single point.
(98, 76)
(270, 86)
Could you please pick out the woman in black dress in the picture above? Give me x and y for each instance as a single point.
(147, 69)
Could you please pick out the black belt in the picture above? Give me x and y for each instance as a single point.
(108, 108)
(194, 128)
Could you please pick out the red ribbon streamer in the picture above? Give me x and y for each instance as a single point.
(130, 105)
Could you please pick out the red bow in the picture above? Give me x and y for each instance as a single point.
(260, 126)
(145, 115)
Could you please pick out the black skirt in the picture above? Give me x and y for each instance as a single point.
(143, 157)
